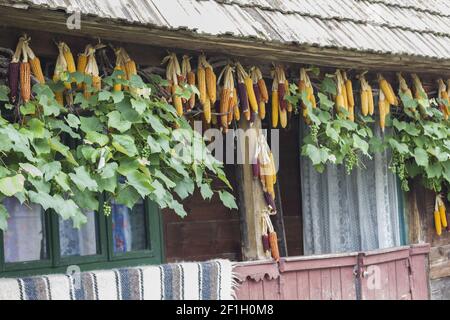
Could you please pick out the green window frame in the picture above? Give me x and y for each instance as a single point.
(105, 258)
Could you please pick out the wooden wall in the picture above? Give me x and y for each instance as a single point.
(209, 231)
(420, 208)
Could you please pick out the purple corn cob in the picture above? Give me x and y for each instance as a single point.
(13, 78)
(265, 242)
(257, 93)
(243, 96)
(269, 200)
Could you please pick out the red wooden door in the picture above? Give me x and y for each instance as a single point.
(396, 273)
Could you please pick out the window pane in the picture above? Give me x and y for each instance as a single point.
(78, 242)
(25, 238)
(128, 227)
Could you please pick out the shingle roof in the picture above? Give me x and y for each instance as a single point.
(418, 28)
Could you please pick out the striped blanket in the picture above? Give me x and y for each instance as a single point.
(210, 280)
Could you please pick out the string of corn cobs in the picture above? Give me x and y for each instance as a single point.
(440, 215)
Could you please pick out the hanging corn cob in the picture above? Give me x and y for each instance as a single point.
(210, 78)
(382, 105)
(14, 71)
(420, 94)
(189, 76)
(273, 239)
(244, 78)
(227, 99)
(260, 89)
(305, 88)
(341, 93)
(35, 63)
(92, 72)
(237, 112)
(25, 76)
(275, 102)
(280, 79)
(403, 86)
(173, 75)
(60, 68)
(437, 217)
(267, 169)
(367, 104)
(120, 66)
(443, 99)
(265, 236)
(350, 99)
(442, 212)
(243, 97)
(82, 63)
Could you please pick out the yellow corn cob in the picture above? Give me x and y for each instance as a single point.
(442, 213)
(82, 62)
(311, 96)
(273, 170)
(118, 86)
(275, 108)
(370, 100)
(207, 111)
(210, 84)
(178, 104)
(237, 112)
(382, 107)
(191, 81)
(69, 59)
(224, 107)
(364, 102)
(251, 94)
(344, 95)
(349, 90)
(201, 81)
(387, 90)
(437, 222)
(262, 109)
(270, 184)
(35, 64)
(340, 102)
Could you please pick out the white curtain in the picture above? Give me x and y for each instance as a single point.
(343, 213)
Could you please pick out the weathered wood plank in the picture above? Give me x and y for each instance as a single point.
(403, 285)
(315, 284)
(392, 287)
(326, 284)
(336, 290)
(290, 284)
(347, 283)
(271, 289)
(419, 276)
(440, 262)
(303, 285)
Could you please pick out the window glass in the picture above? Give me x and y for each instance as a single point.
(78, 242)
(128, 227)
(25, 239)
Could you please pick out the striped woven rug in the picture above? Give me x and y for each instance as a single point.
(210, 280)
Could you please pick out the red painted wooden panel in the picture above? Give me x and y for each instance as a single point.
(392, 289)
(420, 289)
(321, 277)
(315, 284)
(348, 283)
(326, 284)
(290, 286)
(336, 290)
(303, 285)
(256, 290)
(402, 273)
(271, 289)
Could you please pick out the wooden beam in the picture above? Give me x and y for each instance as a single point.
(121, 31)
(251, 199)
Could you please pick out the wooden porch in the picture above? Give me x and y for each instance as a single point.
(397, 274)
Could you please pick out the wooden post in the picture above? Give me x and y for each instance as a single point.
(251, 198)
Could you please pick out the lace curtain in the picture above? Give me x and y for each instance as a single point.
(343, 213)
